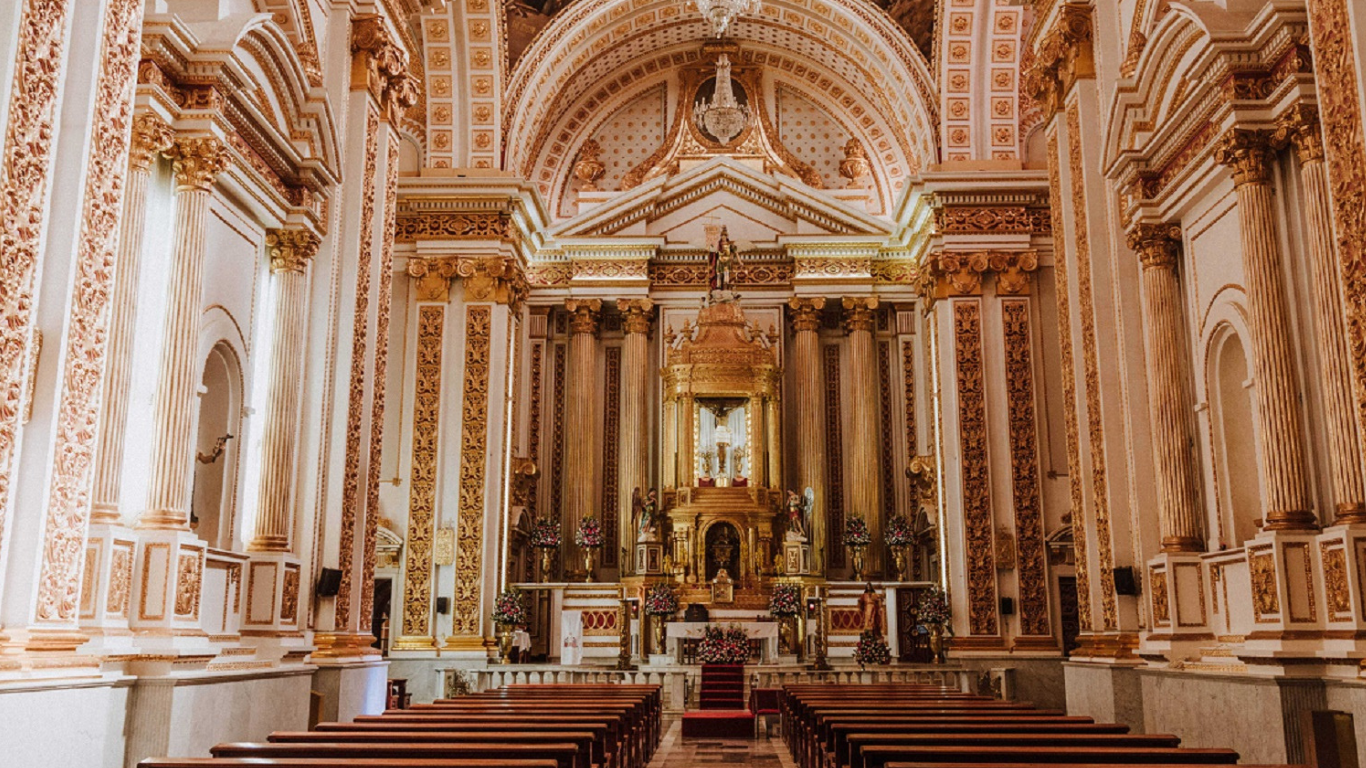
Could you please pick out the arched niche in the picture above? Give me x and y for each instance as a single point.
(213, 499)
(1233, 432)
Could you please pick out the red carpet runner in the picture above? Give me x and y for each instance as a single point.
(722, 697)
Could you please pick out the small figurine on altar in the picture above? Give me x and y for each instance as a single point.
(871, 610)
(645, 511)
(798, 512)
(723, 260)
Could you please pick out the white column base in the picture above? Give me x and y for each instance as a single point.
(1178, 606)
(107, 594)
(1342, 561)
(270, 620)
(167, 579)
(1287, 609)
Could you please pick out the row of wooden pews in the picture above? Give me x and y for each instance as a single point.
(918, 726)
(520, 726)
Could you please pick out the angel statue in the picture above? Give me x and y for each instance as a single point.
(645, 511)
(798, 513)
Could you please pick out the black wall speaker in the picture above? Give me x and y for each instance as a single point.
(443, 605)
(329, 582)
(1007, 606)
(1125, 583)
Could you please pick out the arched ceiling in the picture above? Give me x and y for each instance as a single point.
(591, 44)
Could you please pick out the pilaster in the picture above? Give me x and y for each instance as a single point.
(581, 449)
(865, 481)
(805, 316)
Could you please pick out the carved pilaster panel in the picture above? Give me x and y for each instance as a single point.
(465, 614)
(1091, 366)
(885, 456)
(1072, 429)
(834, 479)
(1024, 469)
(611, 440)
(976, 468)
(908, 379)
(534, 422)
(557, 433)
(417, 550)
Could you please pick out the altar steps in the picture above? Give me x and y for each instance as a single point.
(723, 687)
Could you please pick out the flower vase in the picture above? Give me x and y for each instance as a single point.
(504, 635)
(546, 559)
(858, 562)
(936, 644)
(899, 562)
(590, 556)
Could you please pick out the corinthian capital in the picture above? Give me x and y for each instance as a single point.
(381, 66)
(291, 249)
(151, 137)
(1063, 55)
(1248, 153)
(636, 314)
(1300, 127)
(198, 159)
(806, 313)
(1157, 245)
(584, 315)
(859, 313)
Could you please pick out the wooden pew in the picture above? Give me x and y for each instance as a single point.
(857, 744)
(563, 753)
(327, 762)
(582, 740)
(836, 750)
(604, 745)
(883, 755)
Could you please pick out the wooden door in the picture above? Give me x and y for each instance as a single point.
(1067, 607)
(914, 647)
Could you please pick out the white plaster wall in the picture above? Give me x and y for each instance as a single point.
(63, 727)
(207, 712)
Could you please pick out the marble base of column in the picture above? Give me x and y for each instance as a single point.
(168, 577)
(270, 613)
(111, 549)
(1180, 619)
(1342, 555)
(1284, 571)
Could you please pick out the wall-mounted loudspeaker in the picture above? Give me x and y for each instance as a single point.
(1125, 583)
(329, 582)
(443, 605)
(1007, 606)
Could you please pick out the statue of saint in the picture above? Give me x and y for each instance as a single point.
(645, 511)
(798, 510)
(722, 262)
(870, 608)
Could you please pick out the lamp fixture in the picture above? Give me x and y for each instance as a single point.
(721, 13)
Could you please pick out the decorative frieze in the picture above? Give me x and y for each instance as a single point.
(498, 279)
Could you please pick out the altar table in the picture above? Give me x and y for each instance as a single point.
(767, 631)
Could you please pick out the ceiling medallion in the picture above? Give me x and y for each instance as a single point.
(721, 116)
(720, 13)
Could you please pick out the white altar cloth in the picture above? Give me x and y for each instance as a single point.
(676, 631)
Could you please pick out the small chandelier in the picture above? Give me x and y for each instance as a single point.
(720, 13)
(722, 117)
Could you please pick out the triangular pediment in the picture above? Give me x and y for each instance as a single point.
(755, 206)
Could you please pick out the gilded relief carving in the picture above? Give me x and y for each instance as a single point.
(1266, 601)
(1024, 468)
(611, 441)
(1335, 581)
(465, 614)
(834, 471)
(289, 596)
(189, 567)
(1162, 613)
(972, 434)
(417, 553)
(120, 582)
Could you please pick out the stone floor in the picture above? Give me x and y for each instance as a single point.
(677, 752)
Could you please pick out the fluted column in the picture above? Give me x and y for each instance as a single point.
(1170, 402)
(580, 426)
(197, 161)
(805, 314)
(1287, 501)
(864, 482)
(634, 471)
(151, 137)
(291, 250)
(1301, 128)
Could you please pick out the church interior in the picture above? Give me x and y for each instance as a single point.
(673, 368)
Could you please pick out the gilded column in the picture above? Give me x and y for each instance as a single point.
(291, 251)
(1301, 127)
(151, 137)
(865, 481)
(634, 457)
(805, 314)
(1170, 401)
(1288, 505)
(197, 161)
(580, 428)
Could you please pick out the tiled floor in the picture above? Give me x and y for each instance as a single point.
(677, 752)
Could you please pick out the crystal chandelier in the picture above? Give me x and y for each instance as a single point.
(722, 117)
(720, 13)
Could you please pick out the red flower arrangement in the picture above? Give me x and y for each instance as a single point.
(510, 607)
(723, 646)
(545, 534)
(661, 600)
(933, 608)
(871, 649)
(899, 533)
(856, 532)
(786, 600)
(589, 535)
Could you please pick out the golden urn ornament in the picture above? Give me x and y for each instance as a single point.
(855, 166)
(589, 168)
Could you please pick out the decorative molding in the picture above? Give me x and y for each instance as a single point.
(1091, 367)
(557, 435)
(886, 433)
(381, 67)
(958, 273)
(976, 468)
(1062, 56)
(1062, 292)
(417, 550)
(493, 278)
(466, 613)
(414, 226)
(611, 443)
(534, 423)
(908, 379)
(834, 477)
(1032, 568)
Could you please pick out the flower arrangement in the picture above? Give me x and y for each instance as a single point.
(871, 649)
(589, 535)
(856, 532)
(786, 600)
(545, 534)
(899, 533)
(510, 607)
(661, 600)
(933, 608)
(723, 646)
